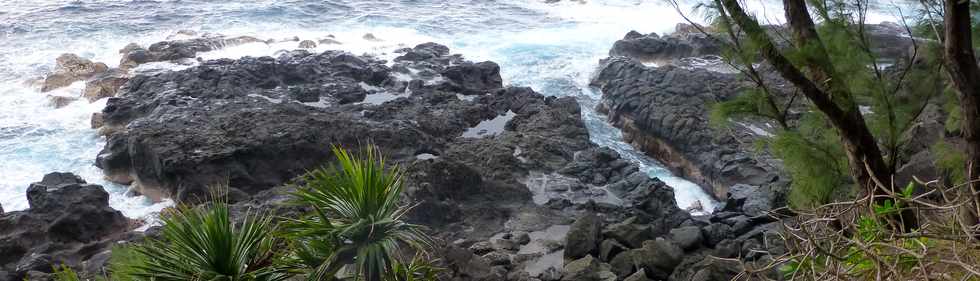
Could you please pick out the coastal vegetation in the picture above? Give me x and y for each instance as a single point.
(845, 130)
(356, 230)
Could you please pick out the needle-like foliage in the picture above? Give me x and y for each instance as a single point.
(357, 219)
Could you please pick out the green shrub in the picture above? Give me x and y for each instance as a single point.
(204, 244)
(357, 219)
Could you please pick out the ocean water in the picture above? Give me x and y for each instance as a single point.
(551, 47)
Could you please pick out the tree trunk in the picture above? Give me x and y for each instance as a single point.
(962, 66)
(865, 159)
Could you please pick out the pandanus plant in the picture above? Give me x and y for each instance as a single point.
(203, 243)
(357, 220)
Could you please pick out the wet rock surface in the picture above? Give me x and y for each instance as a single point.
(504, 198)
(502, 172)
(655, 48)
(69, 222)
(105, 85)
(665, 112)
(134, 54)
(69, 69)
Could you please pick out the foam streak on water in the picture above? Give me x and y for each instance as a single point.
(550, 47)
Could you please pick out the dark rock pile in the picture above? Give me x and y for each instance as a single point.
(498, 173)
(503, 194)
(69, 222)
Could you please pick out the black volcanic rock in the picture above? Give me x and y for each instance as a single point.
(653, 47)
(68, 222)
(665, 110)
(133, 55)
(887, 40)
(479, 159)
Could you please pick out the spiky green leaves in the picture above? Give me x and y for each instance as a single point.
(357, 218)
(205, 244)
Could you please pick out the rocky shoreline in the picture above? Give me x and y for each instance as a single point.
(507, 178)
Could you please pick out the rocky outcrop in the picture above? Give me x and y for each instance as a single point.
(664, 111)
(134, 54)
(498, 170)
(69, 222)
(230, 120)
(887, 40)
(661, 49)
(71, 68)
(105, 85)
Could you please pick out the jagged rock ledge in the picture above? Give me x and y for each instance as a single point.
(483, 161)
(69, 222)
(664, 111)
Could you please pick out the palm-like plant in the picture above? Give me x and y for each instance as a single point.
(204, 244)
(357, 218)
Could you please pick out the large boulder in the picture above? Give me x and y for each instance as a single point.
(686, 237)
(583, 237)
(68, 222)
(474, 78)
(105, 85)
(629, 233)
(750, 200)
(71, 68)
(658, 258)
(583, 269)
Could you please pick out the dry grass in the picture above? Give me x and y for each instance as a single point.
(851, 241)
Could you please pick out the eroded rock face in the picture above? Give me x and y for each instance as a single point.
(105, 85)
(665, 110)
(655, 48)
(68, 222)
(71, 68)
(134, 55)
